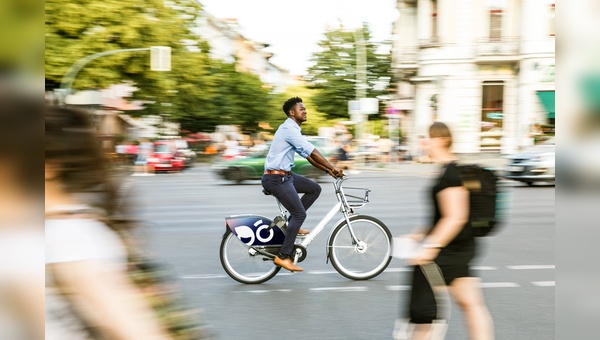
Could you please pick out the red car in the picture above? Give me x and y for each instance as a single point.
(166, 157)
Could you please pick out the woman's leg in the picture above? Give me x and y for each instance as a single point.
(469, 297)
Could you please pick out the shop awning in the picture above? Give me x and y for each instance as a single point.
(547, 99)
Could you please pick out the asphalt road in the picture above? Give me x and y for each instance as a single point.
(184, 221)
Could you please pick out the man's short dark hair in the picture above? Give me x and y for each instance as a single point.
(290, 103)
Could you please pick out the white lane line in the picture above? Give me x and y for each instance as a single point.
(339, 289)
(388, 270)
(203, 276)
(482, 285)
(397, 270)
(320, 272)
(498, 285)
(532, 266)
(544, 283)
(262, 291)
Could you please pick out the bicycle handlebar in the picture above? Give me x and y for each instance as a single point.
(338, 181)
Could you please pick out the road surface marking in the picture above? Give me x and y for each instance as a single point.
(262, 291)
(543, 283)
(339, 289)
(203, 276)
(532, 266)
(397, 287)
(498, 285)
(320, 272)
(397, 270)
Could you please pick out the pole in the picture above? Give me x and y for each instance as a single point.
(361, 75)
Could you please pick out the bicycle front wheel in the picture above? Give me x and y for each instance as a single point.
(244, 264)
(366, 258)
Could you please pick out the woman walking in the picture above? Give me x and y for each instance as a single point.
(450, 244)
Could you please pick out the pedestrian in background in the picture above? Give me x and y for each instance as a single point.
(232, 148)
(450, 244)
(145, 150)
(89, 294)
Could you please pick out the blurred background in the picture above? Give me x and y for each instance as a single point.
(204, 80)
(380, 72)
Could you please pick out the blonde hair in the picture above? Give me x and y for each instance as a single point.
(440, 130)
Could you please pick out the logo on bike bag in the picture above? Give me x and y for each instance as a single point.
(254, 230)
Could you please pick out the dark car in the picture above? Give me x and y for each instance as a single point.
(252, 165)
(536, 164)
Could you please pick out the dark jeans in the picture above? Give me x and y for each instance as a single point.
(286, 189)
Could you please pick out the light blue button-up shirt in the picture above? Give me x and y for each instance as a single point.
(287, 140)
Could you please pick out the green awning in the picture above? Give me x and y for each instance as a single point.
(547, 99)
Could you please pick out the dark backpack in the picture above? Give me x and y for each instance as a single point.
(486, 198)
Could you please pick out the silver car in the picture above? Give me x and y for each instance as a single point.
(535, 164)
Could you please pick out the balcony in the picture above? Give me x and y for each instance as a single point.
(406, 58)
(405, 63)
(500, 51)
(430, 42)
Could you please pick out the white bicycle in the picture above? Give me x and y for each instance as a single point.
(359, 246)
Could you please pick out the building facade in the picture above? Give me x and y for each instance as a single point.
(229, 45)
(485, 67)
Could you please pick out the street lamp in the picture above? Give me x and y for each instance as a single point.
(160, 60)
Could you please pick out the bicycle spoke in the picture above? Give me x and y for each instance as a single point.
(245, 264)
(368, 256)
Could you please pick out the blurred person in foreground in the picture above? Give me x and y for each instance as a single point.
(89, 294)
(21, 231)
(285, 185)
(450, 244)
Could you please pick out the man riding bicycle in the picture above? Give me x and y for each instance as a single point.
(285, 185)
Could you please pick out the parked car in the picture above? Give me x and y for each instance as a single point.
(166, 157)
(252, 165)
(536, 164)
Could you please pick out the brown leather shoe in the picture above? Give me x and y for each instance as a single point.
(287, 264)
(303, 232)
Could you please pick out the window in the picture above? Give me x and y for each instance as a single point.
(552, 27)
(492, 114)
(495, 25)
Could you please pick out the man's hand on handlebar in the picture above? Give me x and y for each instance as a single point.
(336, 172)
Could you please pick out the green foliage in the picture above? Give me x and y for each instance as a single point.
(315, 118)
(21, 45)
(76, 29)
(335, 68)
(198, 92)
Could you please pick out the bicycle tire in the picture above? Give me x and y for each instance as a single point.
(367, 259)
(243, 266)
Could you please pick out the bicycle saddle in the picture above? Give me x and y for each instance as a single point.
(266, 192)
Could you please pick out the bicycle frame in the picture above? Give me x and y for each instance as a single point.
(252, 227)
(358, 246)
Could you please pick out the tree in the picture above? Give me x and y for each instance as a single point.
(315, 118)
(334, 71)
(198, 92)
(76, 29)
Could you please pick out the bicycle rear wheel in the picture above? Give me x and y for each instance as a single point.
(365, 259)
(244, 264)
